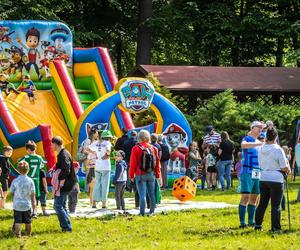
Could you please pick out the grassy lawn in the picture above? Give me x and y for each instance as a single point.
(194, 229)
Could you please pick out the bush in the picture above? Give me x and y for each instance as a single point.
(225, 113)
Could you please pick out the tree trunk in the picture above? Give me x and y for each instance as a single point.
(119, 49)
(279, 52)
(143, 35)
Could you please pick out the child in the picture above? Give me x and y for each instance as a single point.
(5, 166)
(90, 179)
(36, 163)
(238, 168)
(44, 192)
(23, 191)
(28, 87)
(211, 170)
(120, 179)
(73, 195)
(195, 157)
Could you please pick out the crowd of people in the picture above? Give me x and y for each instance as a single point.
(141, 162)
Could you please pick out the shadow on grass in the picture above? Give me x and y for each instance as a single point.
(6, 234)
(6, 217)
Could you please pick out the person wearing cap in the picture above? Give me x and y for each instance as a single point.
(102, 167)
(212, 138)
(120, 179)
(250, 174)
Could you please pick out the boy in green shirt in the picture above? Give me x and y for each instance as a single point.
(36, 163)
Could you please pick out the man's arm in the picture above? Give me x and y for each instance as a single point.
(33, 201)
(246, 144)
(45, 184)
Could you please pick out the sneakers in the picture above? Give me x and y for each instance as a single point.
(243, 226)
(46, 214)
(34, 216)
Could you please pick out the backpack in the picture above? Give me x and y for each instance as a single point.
(148, 159)
(165, 153)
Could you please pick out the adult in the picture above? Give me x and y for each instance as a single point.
(90, 164)
(165, 156)
(120, 142)
(226, 150)
(274, 166)
(103, 167)
(129, 144)
(63, 181)
(5, 167)
(250, 174)
(145, 171)
(154, 138)
(212, 138)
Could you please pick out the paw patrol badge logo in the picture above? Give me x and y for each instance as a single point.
(136, 95)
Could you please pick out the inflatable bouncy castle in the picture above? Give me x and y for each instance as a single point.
(50, 88)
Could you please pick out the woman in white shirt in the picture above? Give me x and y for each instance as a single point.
(273, 164)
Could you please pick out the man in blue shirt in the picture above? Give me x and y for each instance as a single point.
(250, 174)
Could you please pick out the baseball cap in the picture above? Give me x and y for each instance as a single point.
(258, 124)
(209, 128)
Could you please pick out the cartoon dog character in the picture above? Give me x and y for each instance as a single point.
(175, 137)
(4, 36)
(18, 59)
(49, 55)
(5, 63)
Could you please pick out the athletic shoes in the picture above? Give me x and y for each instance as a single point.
(243, 226)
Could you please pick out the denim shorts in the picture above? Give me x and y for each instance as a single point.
(249, 185)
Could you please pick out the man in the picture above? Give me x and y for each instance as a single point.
(154, 138)
(212, 138)
(63, 181)
(129, 144)
(120, 142)
(250, 174)
(5, 167)
(165, 156)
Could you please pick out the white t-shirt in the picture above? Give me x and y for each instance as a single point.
(272, 159)
(101, 149)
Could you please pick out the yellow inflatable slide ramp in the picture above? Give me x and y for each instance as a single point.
(43, 110)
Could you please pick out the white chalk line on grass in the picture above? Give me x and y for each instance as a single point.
(83, 209)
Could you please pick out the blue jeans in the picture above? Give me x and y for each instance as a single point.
(146, 183)
(101, 186)
(225, 167)
(42, 199)
(61, 211)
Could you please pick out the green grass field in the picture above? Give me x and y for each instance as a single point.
(194, 229)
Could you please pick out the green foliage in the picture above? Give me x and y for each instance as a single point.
(226, 114)
(148, 117)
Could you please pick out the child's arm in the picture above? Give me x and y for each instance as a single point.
(45, 184)
(33, 201)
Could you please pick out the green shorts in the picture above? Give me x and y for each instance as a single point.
(249, 185)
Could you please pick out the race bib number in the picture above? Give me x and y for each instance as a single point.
(256, 174)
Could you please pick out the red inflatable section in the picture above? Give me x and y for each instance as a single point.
(46, 137)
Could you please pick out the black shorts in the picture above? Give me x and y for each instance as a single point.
(22, 217)
(212, 170)
(91, 175)
(4, 183)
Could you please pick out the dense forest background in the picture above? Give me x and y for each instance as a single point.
(203, 32)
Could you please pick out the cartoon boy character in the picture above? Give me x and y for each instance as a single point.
(28, 87)
(6, 86)
(49, 55)
(175, 136)
(32, 42)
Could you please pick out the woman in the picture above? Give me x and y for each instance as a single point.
(225, 152)
(274, 166)
(145, 171)
(90, 164)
